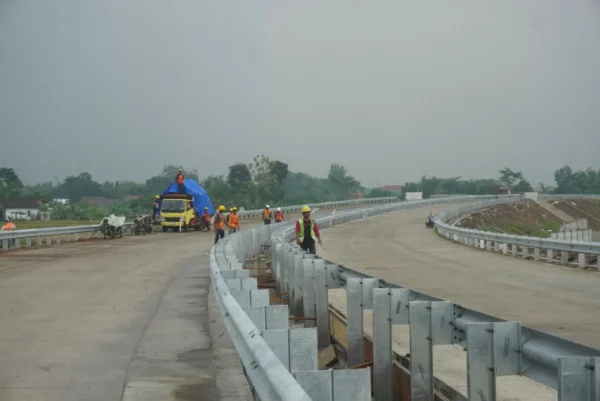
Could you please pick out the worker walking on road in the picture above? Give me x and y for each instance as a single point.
(155, 207)
(206, 217)
(267, 215)
(234, 221)
(179, 180)
(307, 231)
(219, 224)
(278, 215)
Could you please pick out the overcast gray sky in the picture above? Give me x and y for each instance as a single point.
(391, 89)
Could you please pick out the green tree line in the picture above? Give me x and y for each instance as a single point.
(567, 181)
(264, 181)
(251, 185)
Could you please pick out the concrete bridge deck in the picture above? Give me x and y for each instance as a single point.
(108, 320)
(398, 248)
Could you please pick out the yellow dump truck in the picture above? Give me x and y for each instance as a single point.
(177, 213)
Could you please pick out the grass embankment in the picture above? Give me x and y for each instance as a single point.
(525, 218)
(25, 225)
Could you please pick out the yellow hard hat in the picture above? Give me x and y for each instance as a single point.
(221, 208)
(234, 209)
(305, 209)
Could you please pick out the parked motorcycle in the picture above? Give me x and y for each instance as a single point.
(112, 227)
(143, 225)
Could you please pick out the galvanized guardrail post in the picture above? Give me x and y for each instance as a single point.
(359, 297)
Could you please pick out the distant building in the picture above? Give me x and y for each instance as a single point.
(357, 195)
(19, 208)
(99, 201)
(62, 201)
(392, 189)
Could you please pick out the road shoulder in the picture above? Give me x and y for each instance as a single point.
(185, 352)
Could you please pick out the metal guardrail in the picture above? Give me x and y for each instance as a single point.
(249, 214)
(240, 302)
(41, 236)
(515, 245)
(493, 346)
(12, 239)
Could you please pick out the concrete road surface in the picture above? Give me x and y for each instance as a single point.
(108, 320)
(114, 320)
(398, 248)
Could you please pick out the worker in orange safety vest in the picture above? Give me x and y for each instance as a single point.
(206, 218)
(278, 215)
(219, 224)
(179, 180)
(267, 215)
(9, 226)
(233, 221)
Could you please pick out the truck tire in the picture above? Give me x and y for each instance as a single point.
(165, 229)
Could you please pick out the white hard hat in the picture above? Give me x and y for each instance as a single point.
(279, 209)
(268, 207)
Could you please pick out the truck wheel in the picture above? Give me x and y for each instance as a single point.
(165, 229)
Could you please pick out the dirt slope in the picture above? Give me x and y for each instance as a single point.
(525, 218)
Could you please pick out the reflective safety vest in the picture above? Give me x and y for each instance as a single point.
(234, 221)
(312, 230)
(206, 217)
(278, 216)
(180, 178)
(219, 223)
(267, 214)
(9, 226)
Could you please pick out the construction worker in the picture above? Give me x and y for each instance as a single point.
(234, 221)
(155, 207)
(278, 215)
(179, 180)
(227, 218)
(219, 224)
(206, 218)
(267, 215)
(307, 231)
(9, 226)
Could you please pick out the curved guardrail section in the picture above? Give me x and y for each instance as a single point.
(493, 347)
(515, 245)
(12, 239)
(280, 362)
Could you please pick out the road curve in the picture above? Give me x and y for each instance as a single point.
(398, 248)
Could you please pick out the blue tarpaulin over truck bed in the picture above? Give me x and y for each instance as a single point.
(191, 187)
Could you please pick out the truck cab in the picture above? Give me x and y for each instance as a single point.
(177, 212)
